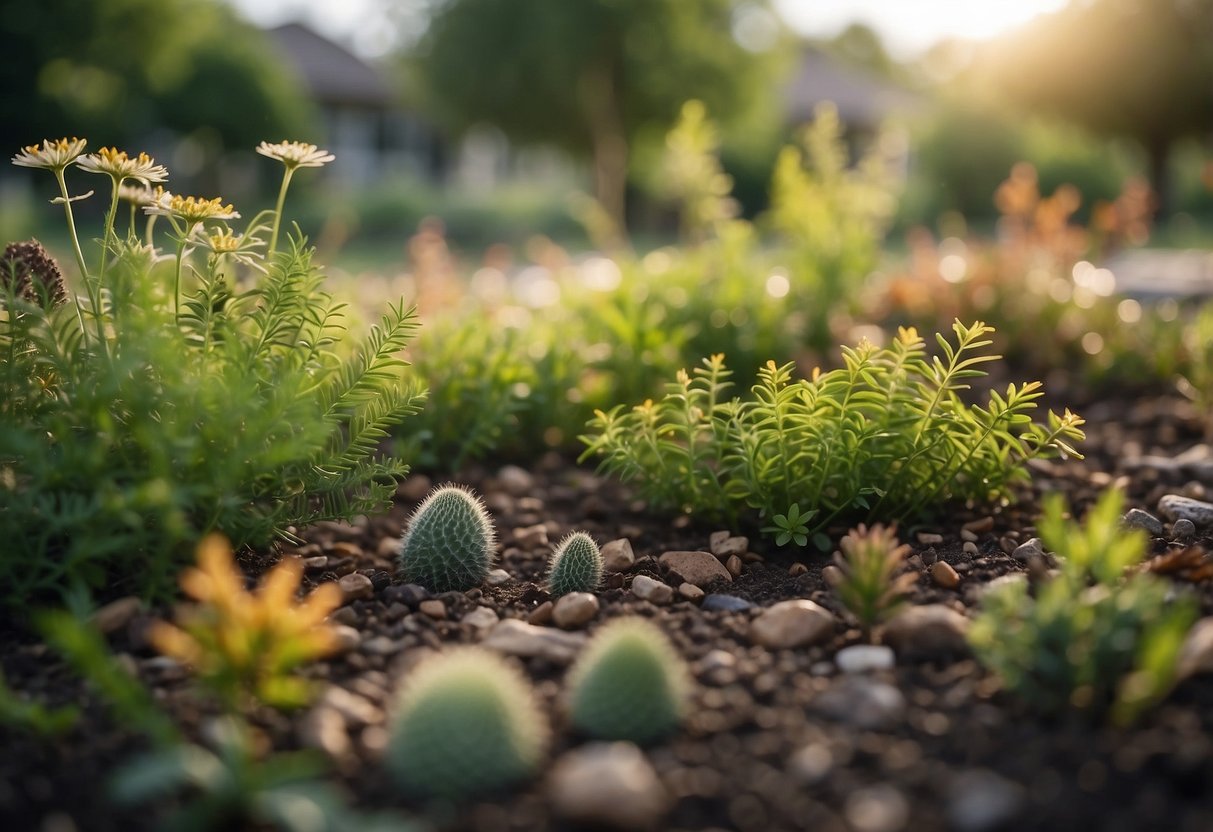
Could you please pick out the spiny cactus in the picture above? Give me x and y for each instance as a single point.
(450, 541)
(629, 684)
(576, 565)
(467, 723)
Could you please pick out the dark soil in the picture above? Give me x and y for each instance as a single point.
(762, 749)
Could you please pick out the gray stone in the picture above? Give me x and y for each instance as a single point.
(347, 638)
(651, 590)
(863, 702)
(928, 630)
(792, 624)
(497, 577)
(864, 658)
(356, 710)
(723, 544)
(719, 602)
(1175, 507)
(576, 609)
(617, 555)
(531, 537)
(480, 618)
(982, 801)
(1183, 529)
(517, 638)
(698, 568)
(518, 482)
(355, 587)
(812, 764)
(1027, 550)
(878, 808)
(1139, 519)
(608, 784)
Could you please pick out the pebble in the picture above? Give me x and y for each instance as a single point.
(698, 568)
(542, 614)
(969, 548)
(1183, 529)
(608, 784)
(864, 658)
(981, 801)
(433, 608)
(797, 569)
(531, 537)
(408, 594)
(356, 710)
(355, 586)
(1139, 519)
(617, 555)
(116, 614)
(497, 577)
(651, 590)
(980, 525)
(927, 630)
(1196, 654)
(968, 536)
(719, 602)
(733, 565)
(690, 591)
(381, 646)
(517, 638)
(576, 609)
(930, 538)
(480, 618)
(320, 562)
(863, 702)
(324, 728)
(944, 575)
(1174, 507)
(1028, 550)
(345, 639)
(832, 575)
(415, 487)
(724, 544)
(812, 764)
(879, 808)
(791, 624)
(516, 481)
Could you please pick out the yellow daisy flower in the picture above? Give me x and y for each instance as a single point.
(296, 154)
(191, 209)
(52, 155)
(117, 165)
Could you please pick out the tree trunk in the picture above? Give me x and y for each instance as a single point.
(1159, 152)
(609, 145)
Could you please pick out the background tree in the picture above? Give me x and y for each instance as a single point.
(1136, 68)
(119, 70)
(588, 75)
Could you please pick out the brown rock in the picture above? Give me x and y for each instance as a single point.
(690, 592)
(517, 638)
(542, 614)
(944, 575)
(927, 630)
(797, 568)
(434, 608)
(617, 555)
(792, 624)
(608, 785)
(723, 544)
(355, 586)
(574, 610)
(651, 590)
(698, 568)
(116, 614)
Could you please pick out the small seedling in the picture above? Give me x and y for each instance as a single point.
(869, 585)
(1092, 638)
(629, 684)
(576, 565)
(244, 645)
(450, 541)
(467, 723)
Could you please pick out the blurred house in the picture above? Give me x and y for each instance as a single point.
(864, 101)
(365, 125)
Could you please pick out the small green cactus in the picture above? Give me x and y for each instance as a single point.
(450, 541)
(629, 684)
(576, 565)
(467, 723)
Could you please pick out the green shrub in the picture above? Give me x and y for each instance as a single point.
(450, 541)
(576, 565)
(886, 436)
(467, 723)
(1197, 380)
(628, 684)
(1090, 638)
(172, 401)
(871, 583)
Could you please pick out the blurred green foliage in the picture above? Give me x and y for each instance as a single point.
(123, 69)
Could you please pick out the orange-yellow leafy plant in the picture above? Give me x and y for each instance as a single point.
(244, 644)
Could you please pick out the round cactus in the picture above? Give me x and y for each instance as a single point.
(466, 723)
(450, 541)
(629, 684)
(576, 565)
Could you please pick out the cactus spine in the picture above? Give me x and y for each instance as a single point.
(450, 541)
(576, 565)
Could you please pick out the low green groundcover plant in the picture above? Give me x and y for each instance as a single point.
(1090, 638)
(206, 389)
(885, 437)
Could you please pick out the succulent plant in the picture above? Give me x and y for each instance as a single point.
(449, 544)
(576, 565)
(629, 684)
(869, 581)
(467, 723)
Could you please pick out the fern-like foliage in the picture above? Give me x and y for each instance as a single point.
(245, 413)
(885, 437)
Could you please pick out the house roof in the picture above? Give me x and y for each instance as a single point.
(332, 73)
(862, 99)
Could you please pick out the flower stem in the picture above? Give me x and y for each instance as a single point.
(177, 275)
(71, 227)
(286, 181)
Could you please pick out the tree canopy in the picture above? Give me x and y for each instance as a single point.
(1137, 68)
(587, 75)
(120, 69)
